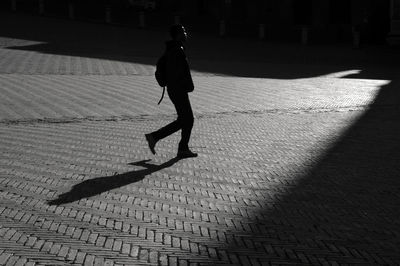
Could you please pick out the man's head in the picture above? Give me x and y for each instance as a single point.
(178, 33)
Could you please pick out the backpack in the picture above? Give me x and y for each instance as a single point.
(161, 73)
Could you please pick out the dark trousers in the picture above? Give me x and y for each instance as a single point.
(184, 121)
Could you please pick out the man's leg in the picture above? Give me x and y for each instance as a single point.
(169, 129)
(185, 118)
(163, 132)
(184, 121)
(166, 131)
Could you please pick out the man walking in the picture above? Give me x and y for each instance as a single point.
(179, 84)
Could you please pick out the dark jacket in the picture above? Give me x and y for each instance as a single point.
(179, 79)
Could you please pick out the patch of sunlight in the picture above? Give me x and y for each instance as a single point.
(6, 42)
(341, 74)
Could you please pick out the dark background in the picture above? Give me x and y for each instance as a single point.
(327, 21)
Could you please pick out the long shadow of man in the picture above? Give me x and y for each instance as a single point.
(95, 186)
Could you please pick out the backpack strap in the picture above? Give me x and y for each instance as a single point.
(162, 96)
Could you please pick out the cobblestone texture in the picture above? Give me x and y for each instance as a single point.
(291, 171)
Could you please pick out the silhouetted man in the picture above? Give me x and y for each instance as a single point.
(179, 84)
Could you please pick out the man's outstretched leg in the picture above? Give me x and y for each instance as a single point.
(154, 137)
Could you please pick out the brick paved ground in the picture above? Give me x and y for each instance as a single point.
(298, 163)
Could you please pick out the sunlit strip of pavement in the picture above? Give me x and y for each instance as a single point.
(33, 97)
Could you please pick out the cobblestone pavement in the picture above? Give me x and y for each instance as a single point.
(299, 168)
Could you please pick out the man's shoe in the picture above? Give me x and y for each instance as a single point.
(186, 154)
(152, 142)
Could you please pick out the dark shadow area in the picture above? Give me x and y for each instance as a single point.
(206, 53)
(346, 208)
(98, 185)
